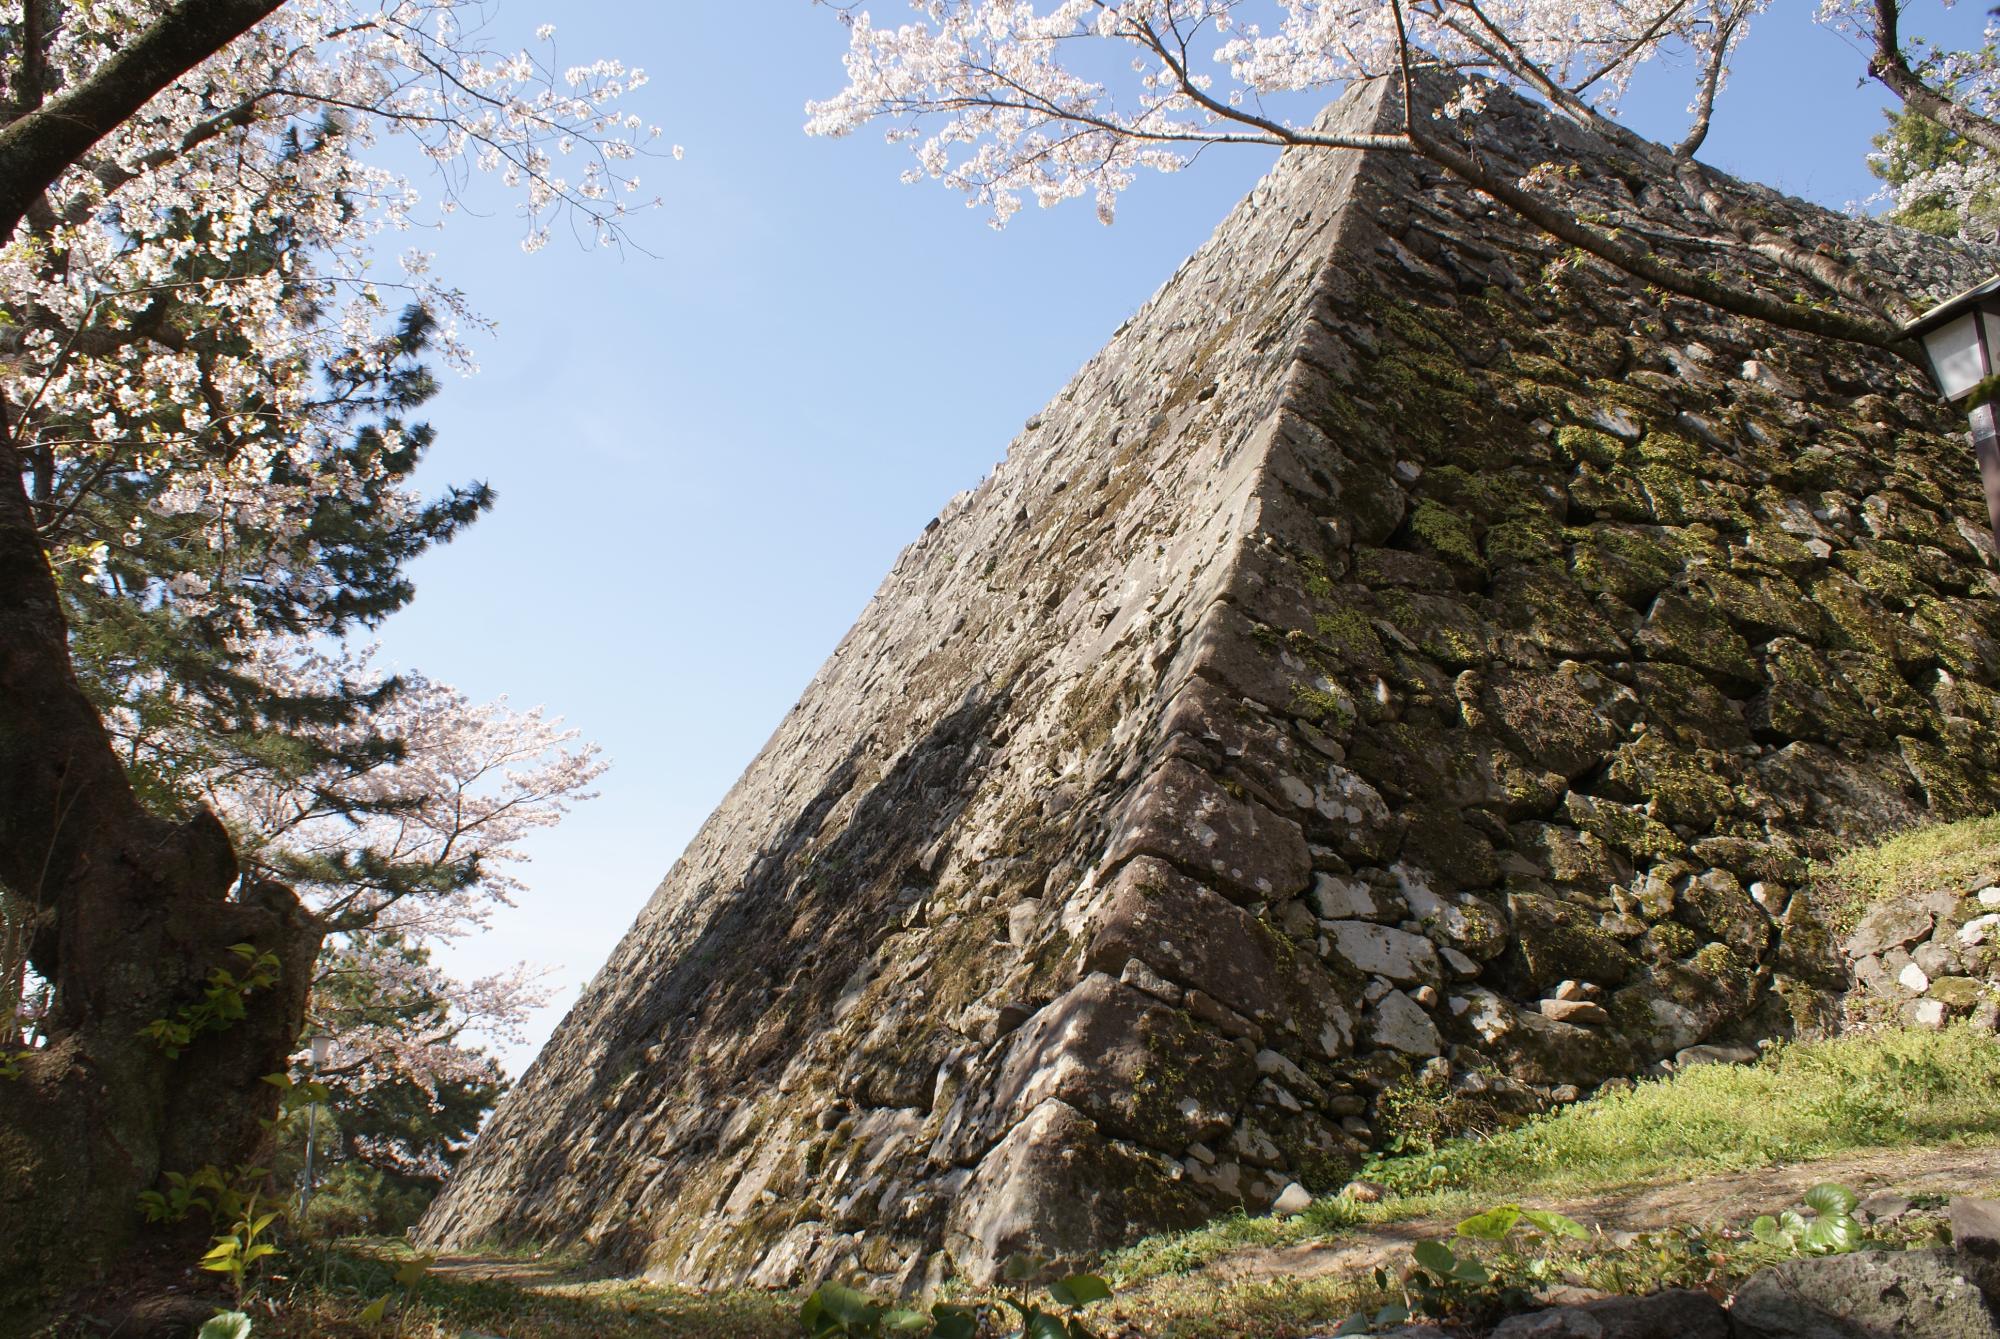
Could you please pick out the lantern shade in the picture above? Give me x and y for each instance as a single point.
(322, 1049)
(1959, 337)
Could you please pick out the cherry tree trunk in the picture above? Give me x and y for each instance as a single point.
(130, 912)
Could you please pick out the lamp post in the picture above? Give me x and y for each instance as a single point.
(322, 1051)
(1961, 337)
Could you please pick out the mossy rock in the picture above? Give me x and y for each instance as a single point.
(1629, 563)
(1809, 699)
(1686, 632)
(1556, 940)
(1554, 615)
(1715, 904)
(1688, 787)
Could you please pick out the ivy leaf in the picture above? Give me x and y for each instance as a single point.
(954, 1322)
(1554, 1224)
(1435, 1256)
(1493, 1225)
(1079, 1289)
(226, 1325)
(1829, 1197)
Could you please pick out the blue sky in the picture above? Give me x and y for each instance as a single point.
(707, 460)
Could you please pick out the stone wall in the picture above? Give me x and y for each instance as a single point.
(1405, 660)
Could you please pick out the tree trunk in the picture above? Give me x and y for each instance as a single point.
(130, 913)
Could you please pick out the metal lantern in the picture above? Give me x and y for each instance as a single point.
(322, 1050)
(321, 1046)
(1961, 338)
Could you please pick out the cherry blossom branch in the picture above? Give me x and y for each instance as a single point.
(37, 147)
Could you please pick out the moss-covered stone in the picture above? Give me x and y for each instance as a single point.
(1556, 940)
(1688, 787)
(1627, 562)
(1686, 632)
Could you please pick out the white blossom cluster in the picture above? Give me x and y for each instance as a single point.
(1005, 100)
(169, 308)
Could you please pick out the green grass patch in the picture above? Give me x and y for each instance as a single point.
(1941, 856)
(326, 1289)
(1810, 1100)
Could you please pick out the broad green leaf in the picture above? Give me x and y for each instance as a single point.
(1470, 1271)
(1765, 1229)
(1393, 1314)
(1832, 1233)
(258, 1252)
(1043, 1325)
(1435, 1256)
(222, 1250)
(411, 1272)
(227, 1325)
(372, 1313)
(1493, 1225)
(1828, 1197)
(1554, 1224)
(1791, 1222)
(1079, 1290)
(954, 1322)
(1022, 1268)
(1354, 1324)
(847, 1306)
(266, 1221)
(905, 1321)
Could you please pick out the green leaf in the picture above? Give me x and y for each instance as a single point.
(258, 1252)
(372, 1313)
(1554, 1224)
(1354, 1324)
(1493, 1225)
(1393, 1314)
(1079, 1290)
(1470, 1271)
(1042, 1325)
(846, 1306)
(904, 1321)
(1831, 1234)
(1829, 1197)
(411, 1272)
(1022, 1268)
(226, 1325)
(1435, 1256)
(1765, 1229)
(954, 1322)
(1791, 1222)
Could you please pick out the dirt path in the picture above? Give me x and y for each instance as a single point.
(1718, 1197)
(520, 1272)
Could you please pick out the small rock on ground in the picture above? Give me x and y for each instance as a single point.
(1909, 1294)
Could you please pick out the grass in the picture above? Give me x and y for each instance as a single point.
(328, 1289)
(1956, 856)
(1803, 1101)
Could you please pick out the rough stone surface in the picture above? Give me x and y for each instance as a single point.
(1678, 1313)
(1867, 1295)
(1382, 566)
